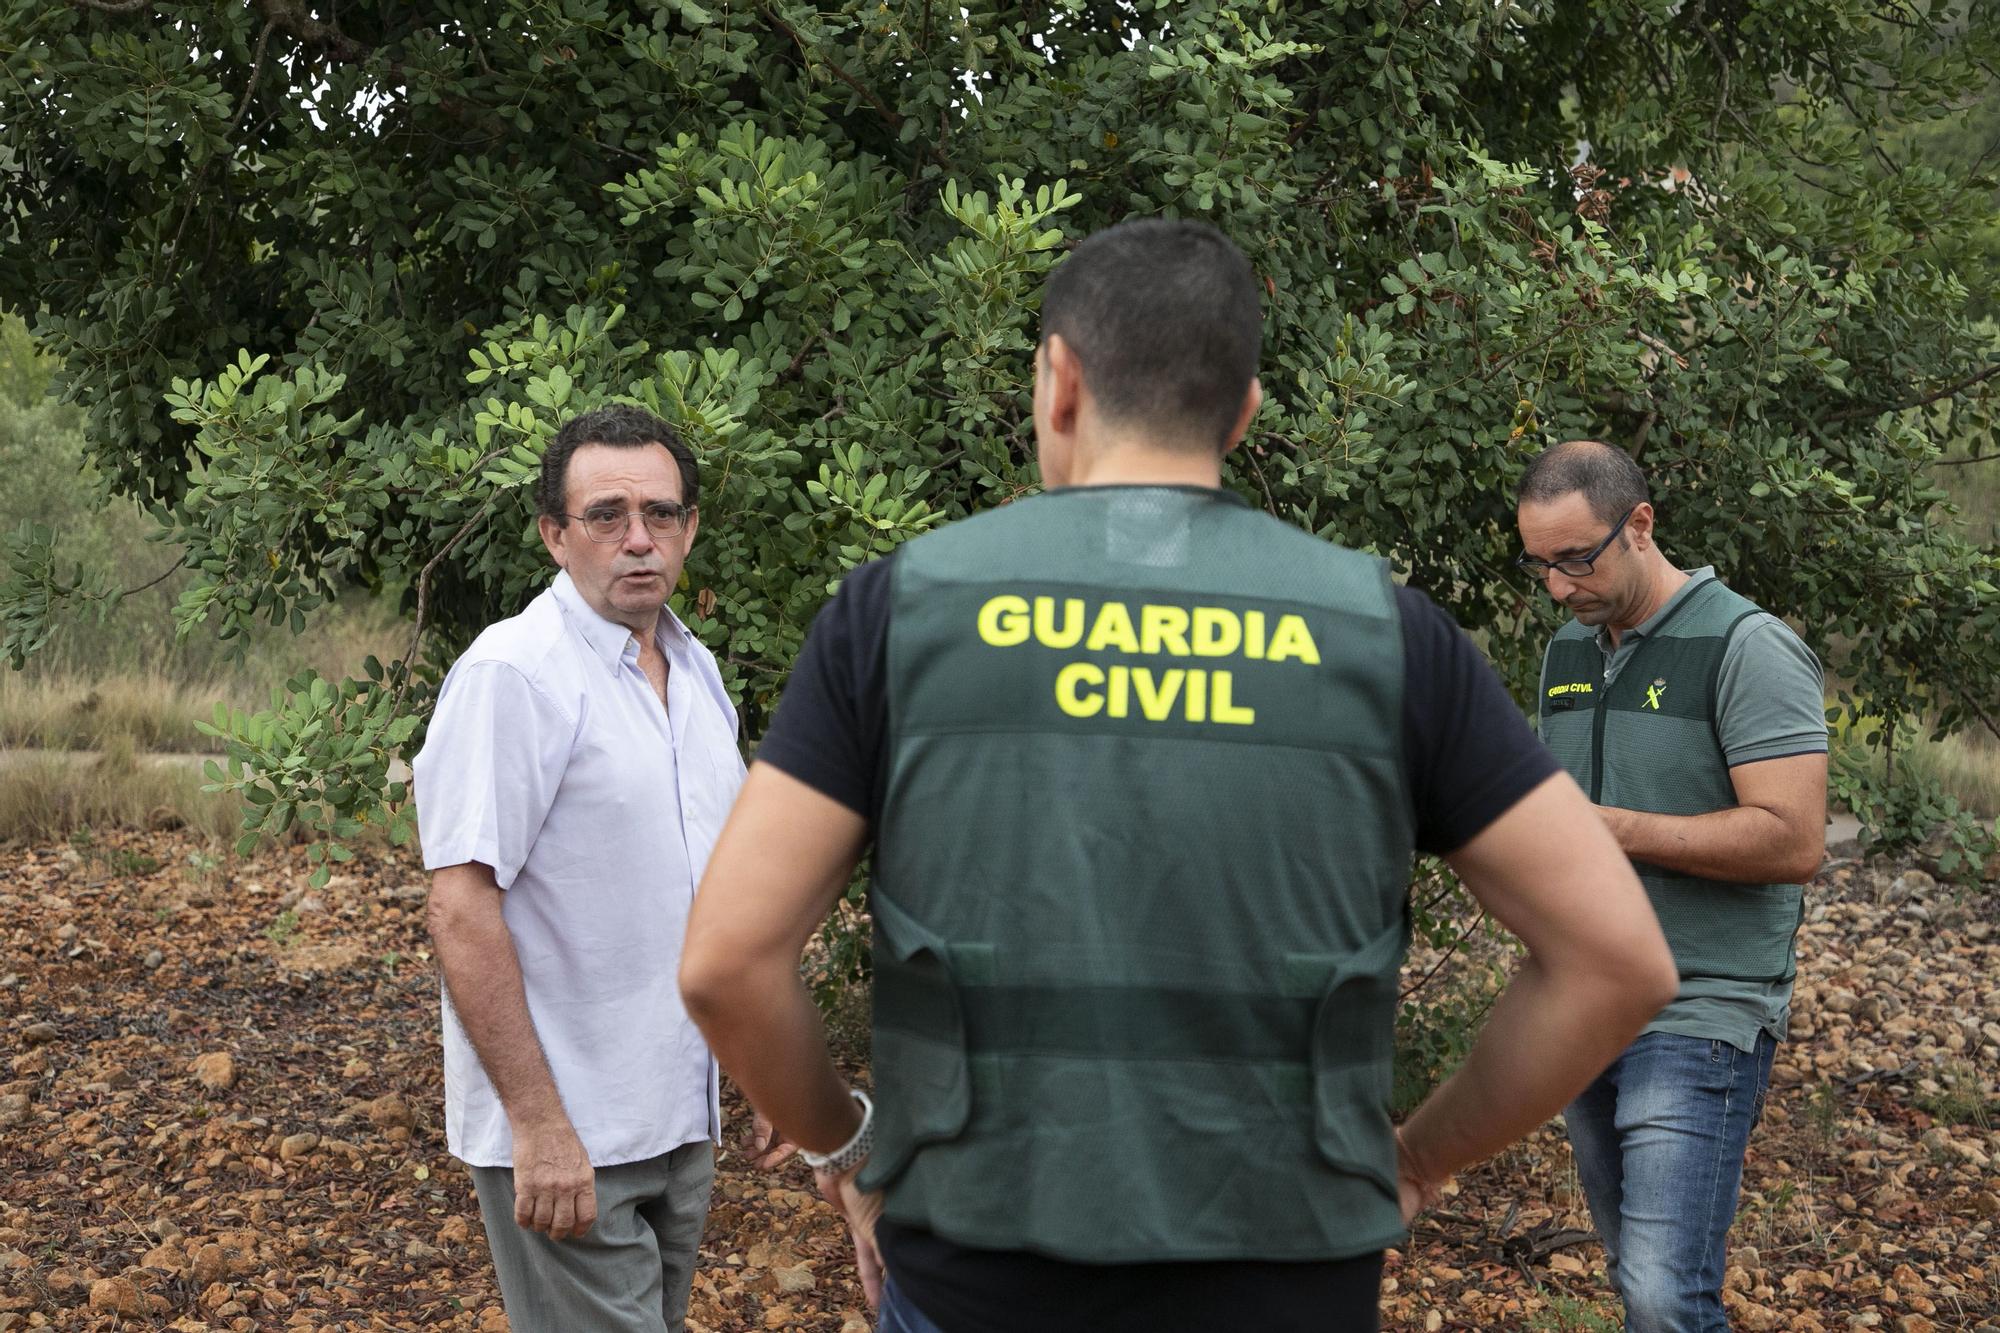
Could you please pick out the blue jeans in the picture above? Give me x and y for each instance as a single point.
(897, 1315)
(1659, 1141)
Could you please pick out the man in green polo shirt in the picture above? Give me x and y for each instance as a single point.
(1694, 720)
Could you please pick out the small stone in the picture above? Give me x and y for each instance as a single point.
(153, 959)
(1914, 884)
(793, 1280)
(39, 1034)
(117, 1295)
(390, 1111)
(167, 1256)
(208, 1267)
(493, 1319)
(13, 1109)
(216, 1070)
(416, 1249)
(296, 1146)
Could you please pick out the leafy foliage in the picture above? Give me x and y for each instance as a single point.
(327, 285)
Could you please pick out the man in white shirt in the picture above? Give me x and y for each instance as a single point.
(580, 763)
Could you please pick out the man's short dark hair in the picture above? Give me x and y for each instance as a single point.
(1163, 316)
(621, 426)
(1610, 482)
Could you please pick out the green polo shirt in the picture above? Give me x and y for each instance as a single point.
(1770, 704)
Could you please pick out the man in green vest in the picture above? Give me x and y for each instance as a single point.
(1142, 770)
(1695, 722)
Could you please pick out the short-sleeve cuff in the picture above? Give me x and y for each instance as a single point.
(459, 852)
(1777, 747)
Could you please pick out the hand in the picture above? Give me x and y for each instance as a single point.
(555, 1189)
(1414, 1190)
(768, 1147)
(861, 1210)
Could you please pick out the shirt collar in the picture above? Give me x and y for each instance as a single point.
(609, 641)
(1696, 577)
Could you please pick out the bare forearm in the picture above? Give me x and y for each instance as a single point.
(764, 1029)
(1547, 1037)
(1744, 844)
(482, 974)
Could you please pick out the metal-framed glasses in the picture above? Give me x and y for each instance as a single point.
(608, 523)
(1577, 567)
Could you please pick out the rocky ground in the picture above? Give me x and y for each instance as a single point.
(220, 1110)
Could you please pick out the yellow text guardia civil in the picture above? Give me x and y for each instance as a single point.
(1197, 694)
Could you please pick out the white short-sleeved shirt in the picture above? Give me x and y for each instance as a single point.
(550, 759)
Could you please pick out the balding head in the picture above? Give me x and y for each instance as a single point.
(1607, 478)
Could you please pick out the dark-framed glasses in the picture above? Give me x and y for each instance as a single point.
(607, 523)
(1577, 567)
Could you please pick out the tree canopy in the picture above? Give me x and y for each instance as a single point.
(327, 278)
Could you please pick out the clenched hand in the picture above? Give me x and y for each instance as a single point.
(555, 1189)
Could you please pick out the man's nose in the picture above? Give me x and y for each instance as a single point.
(638, 537)
(1560, 585)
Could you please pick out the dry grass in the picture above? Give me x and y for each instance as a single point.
(1967, 765)
(44, 797)
(47, 712)
(99, 744)
(70, 701)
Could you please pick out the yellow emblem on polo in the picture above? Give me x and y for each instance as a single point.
(1653, 693)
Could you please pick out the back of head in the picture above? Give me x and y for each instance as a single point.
(1607, 478)
(1163, 316)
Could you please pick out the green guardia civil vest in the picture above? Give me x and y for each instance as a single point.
(1648, 741)
(1139, 884)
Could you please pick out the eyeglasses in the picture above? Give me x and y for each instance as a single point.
(1578, 568)
(608, 523)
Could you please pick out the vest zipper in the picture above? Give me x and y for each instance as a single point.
(1597, 738)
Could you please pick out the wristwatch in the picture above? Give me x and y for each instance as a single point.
(851, 1153)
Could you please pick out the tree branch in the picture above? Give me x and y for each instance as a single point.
(894, 120)
(1848, 414)
(296, 19)
(408, 666)
(161, 579)
(890, 117)
(256, 70)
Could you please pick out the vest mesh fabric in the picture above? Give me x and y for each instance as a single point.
(1648, 741)
(1136, 974)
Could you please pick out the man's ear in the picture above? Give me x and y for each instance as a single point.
(1640, 525)
(1058, 386)
(553, 535)
(1253, 398)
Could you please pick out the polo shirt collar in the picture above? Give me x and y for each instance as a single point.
(609, 641)
(1696, 577)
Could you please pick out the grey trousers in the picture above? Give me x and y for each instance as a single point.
(630, 1273)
